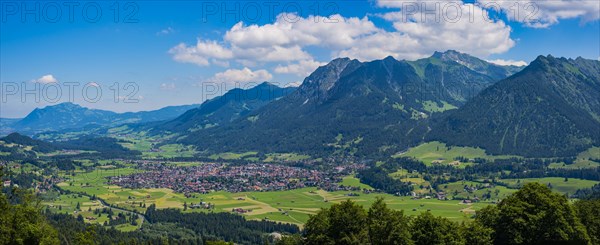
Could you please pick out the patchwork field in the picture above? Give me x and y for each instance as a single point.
(232, 155)
(557, 184)
(437, 152)
(583, 160)
(354, 182)
(295, 206)
(292, 206)
(67, 203)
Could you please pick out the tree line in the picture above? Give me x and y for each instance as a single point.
(532, 215)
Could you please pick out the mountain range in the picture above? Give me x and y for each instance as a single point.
(359, 108)
(214, 112)
(72, 116)
(551, 108)
(224, 109)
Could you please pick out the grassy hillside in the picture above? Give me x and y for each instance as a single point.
(438, 152)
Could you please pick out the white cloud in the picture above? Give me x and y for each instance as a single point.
(240, 77)
(46, 79)
(457, 26)
(508, 62)
(201, 54)
(270, 54)
(167, 86)
(334, 30)
(93, 84)
(385, 44)
(463, 27)
(166, 31)
(282, 40)
(302, 69)
(542, 14)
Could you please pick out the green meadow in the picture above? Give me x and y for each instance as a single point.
(67, 204)
(583, 160)
(439, 153)
(232, 155)
(557, 184)
(354, 182)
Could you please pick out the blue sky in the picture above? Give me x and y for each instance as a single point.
(171, 52)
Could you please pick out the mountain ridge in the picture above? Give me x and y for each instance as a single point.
(222, 110)
(376, 106)
(550, 108)
(69, 115)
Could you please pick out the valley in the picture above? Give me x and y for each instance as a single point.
(276, 163)
(368, 122)
(98, 184)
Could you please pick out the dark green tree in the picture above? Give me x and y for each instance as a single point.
(342, 223)
(386, 226)
(290, 240)
(588, 212)
(475, 233)
(317, 229)
(86, 237)
(534, 215)
(23, 223)
(428, 229)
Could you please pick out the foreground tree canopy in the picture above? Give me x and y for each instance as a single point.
(532, 215)
(21, 220)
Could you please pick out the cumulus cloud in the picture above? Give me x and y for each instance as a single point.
(201, 54)
(458, 26)
(335, 30)
(542, 14)
(421, 31)
(240, 76)
(508, 62)
(302, 68)
(270, 54)
(46, 79)
(281, 41)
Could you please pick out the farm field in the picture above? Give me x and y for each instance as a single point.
(354, 182)
(95, 183)
(232, 155)
(67, 204)
(457, 190)
(557, 184)
(169, 151)
(583, 160)
(295, 206)
(437, 152)
(291, 206)
(272, 157)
